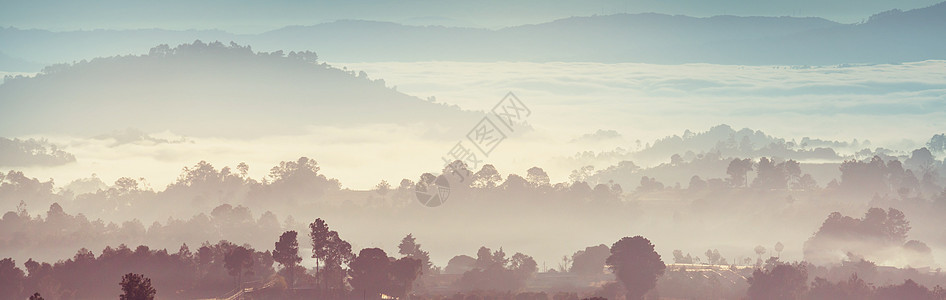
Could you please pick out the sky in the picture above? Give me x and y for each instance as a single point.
(249, 16)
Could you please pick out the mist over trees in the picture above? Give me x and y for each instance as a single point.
(632, 265)
(31, 152)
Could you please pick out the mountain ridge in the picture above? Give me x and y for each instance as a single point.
(887, 37)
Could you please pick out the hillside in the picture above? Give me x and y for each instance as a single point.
(208, 90)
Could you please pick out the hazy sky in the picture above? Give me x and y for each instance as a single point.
(245, 16)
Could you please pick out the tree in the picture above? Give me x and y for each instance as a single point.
(382, 188)
(459, 264)
(696, 183)
(678, 257)
(784, 281)
(759, 250)
(852, 289)
(338, 252)
(487, 177)
(11, 277)
(805, 183)
(36, 296)
(136, 287)
(286, 253)
(581, 174)
(636, 264)
(319, 234)
(237, 262)
(591, 260)
(714, 258)
(537, 177)
(937, 143)
(410, 248)
(778, 249)
(402, 274)
(737, 171)
(369, 272)
(921, 159)
(908, 290)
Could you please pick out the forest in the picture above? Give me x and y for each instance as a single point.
(838, 261)
(481, 150)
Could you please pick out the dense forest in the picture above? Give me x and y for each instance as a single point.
(838, 261)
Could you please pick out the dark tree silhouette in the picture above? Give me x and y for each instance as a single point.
(136, 287)
(338, 252)
(853, 289)
(11, 277)
(591, 260)
(784, 281)
(737, 170)
(36, 296)
(369, 272)
(402, 273)
(636, 265)
(287, 253)
(238, 261)
(908, 290)
(459, 264)
(319, 234)
(410, 248)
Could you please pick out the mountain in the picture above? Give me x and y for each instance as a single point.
(888, 37)
(209, 90)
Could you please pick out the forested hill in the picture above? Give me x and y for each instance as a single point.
(203, 89)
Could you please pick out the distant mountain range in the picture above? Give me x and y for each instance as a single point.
(211, 89)
(888, 37)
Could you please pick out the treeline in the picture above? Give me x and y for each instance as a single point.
(791, 281)
(214, 269)
(19, 232)
(634, 271)
(180, 274)
(198, 188)
(32, 152)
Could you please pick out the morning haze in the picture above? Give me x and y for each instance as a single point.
(473, 150)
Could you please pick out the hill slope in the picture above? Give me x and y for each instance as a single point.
(208, 90)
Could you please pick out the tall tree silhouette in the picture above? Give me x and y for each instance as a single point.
(287, 253)
(759, 250)
(737, 170)
(338, 253)
(636, 265)
(136, 287)
(410, 248)
(238, 262)
(319, 234)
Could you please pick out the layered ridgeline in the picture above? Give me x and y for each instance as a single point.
(211, 89)
(887, 37)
